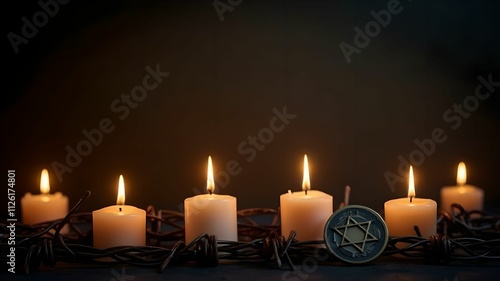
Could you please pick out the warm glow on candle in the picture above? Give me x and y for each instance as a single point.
(306, 211)
(120, 224)
(411, 185)
(306, 182)
(44, 207)
(468, 196)
(120, 199)
(213, 214)
(210, 177)
(461, 174)
(44, 182)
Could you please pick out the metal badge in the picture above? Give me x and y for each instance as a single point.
(356, 234)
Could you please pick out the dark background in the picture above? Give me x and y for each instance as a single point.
(353, 120)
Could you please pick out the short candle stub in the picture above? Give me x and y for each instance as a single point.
(356, 234)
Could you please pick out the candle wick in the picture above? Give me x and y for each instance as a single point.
(210, 191)
(347, 192)
(305, 191)
(411, 199)
(120, 209)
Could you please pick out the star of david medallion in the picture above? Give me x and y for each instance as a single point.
(356, 234)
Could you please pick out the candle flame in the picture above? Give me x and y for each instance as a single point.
(210, 177)
(306, 182)
(44, 182)
(461, 174)
(411, 185)
(120, 199)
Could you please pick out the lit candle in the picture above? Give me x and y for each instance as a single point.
(211, 213)
(44, 207)
(469, 196)
(120, 224)
(401, 215)
(305, 211)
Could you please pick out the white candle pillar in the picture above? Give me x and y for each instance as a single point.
(469, 196)
(44, 207)
(120, 224)
(211, 213)
(401, 215)
(306, 211)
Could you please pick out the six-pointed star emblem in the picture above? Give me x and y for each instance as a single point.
(355, 233)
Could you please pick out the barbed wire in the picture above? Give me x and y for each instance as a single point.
(461, 223)
(463, 236)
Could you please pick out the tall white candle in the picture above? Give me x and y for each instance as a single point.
(211, 213)
(120, 224)
(401, 215)
(306, 211)
(469, 196)
(44, 207)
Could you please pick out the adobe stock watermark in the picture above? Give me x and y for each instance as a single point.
(372, 29)
(30, 27)
(11, 221)
(453, 117)
(248, 148)
(117, 276)
(307, 266)
(121, 107)
(221, 7)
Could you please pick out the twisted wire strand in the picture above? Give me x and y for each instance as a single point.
(457, 222)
